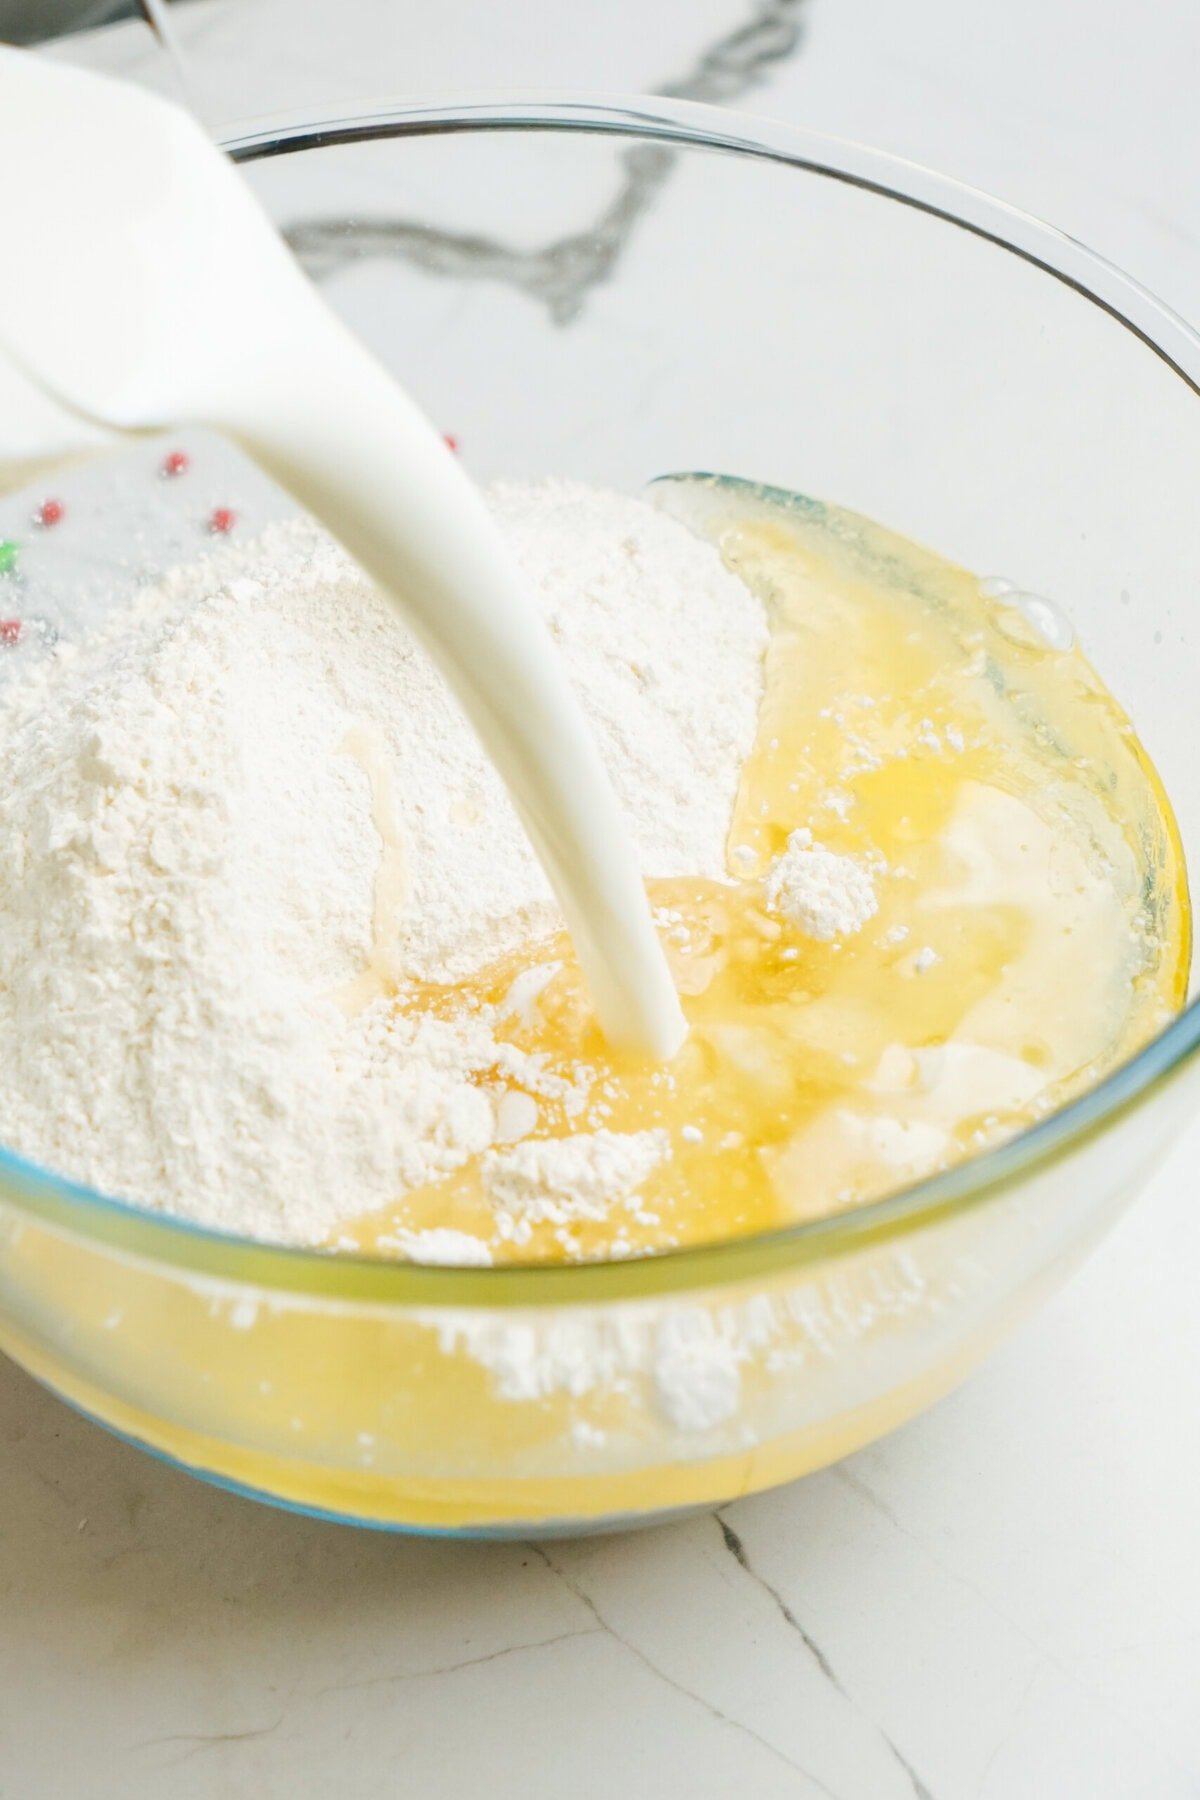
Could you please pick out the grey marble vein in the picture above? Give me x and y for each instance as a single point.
(199, 1741)
(453, 1668)
(714, 1712)
(737, 1550)
(563, 272)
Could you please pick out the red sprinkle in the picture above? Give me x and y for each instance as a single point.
(221, 519)
(178, 462)
(450, 441)
(10, 631)
(49, 513)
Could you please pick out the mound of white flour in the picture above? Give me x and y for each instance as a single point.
(190, 842)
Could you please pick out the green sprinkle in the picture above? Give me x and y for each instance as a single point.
(8, 556)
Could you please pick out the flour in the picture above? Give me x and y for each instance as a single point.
(196, 837)
(564, 1181)
(690, 1358)
(693, 1366)
(455, 1249)
(827, 896)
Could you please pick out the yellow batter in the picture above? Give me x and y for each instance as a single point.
(1032, 926)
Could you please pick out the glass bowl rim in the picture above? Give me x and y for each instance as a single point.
(162, 1239)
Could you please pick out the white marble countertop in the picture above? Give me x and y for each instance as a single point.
(1001, 1600)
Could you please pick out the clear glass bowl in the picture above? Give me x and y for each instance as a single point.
(612, 292)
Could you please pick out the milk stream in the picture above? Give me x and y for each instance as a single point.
(193, 310)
